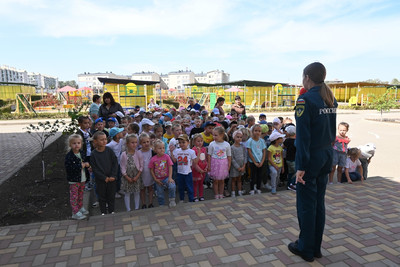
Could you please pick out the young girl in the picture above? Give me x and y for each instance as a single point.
(353, 170)
(275, 158)
(146, 154)
(239, 161)
(160, 167)
(131, 170)
(199, 168)
(219, 160)
(75, 164)
(340, 151)
(256, 150)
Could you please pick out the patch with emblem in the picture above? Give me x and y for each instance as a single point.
(300, 110)
(300, 101)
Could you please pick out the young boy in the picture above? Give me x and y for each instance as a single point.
(184, 157)
(111, 122)
(104, 164)
(250, 121)
(99, 126)
(168, 131)
(197, 127)
(116, 147)
(288, 144)
(207, 134)
(174, 143)
(262, 119)
(84, 131)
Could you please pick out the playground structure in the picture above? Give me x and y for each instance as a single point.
(253, 94)
(23, 95)
(260, 95)
(131, 93)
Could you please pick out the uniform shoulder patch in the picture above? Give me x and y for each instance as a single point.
(300, 107)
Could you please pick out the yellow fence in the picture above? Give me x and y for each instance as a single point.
(270, 96)
(8, 92)
(130, 95)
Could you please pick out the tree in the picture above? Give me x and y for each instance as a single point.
(376, 81)
(395, 81)
(41, 133)
(383, 102)
(71, 83)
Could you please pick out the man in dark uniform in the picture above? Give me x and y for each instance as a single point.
(316, 130)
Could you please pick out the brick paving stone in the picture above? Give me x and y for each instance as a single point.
(246, 231)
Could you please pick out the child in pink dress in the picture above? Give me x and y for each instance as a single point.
(219, 160)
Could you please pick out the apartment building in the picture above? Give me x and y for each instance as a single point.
(91, 80)
(41, 81)
(13, 75)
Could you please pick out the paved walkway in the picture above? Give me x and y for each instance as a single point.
(17, 147)
(363, 229)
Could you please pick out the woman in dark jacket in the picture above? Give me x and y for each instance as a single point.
(109, 108)
(315, 132)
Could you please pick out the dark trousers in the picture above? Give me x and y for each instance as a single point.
(185, 181)
(256, 176)
(311, 203)
(106, 193)
(354, 176)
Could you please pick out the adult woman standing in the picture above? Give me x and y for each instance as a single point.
(316, 129)
(218, 110)
(238, 107)
(109, 108)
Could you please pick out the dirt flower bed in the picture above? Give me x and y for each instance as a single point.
(27, 198)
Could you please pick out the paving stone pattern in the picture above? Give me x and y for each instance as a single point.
(362, 229)
(17, 149)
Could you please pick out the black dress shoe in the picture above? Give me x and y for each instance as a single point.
(293, 248)
(318, 255)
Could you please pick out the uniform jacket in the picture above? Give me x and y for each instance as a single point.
(73, 166)
(316, 127)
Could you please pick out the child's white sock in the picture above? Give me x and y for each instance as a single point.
(127, 200)
(136, 195)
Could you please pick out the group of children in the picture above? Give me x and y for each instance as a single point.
(148, 153)
(352, 163)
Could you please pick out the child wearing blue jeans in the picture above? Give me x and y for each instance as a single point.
(184, 157)
(160, 167)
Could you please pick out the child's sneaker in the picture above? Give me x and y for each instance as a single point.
(252, 192)
(195, 199)
(233, 194)
(240, 193)
(258, 191)
(172, 203)
(117, 195)
(292, 187)
(273, 191)
(95, 204)
(78, 216)
(201, 198)
(268, 186)
(84, 211)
